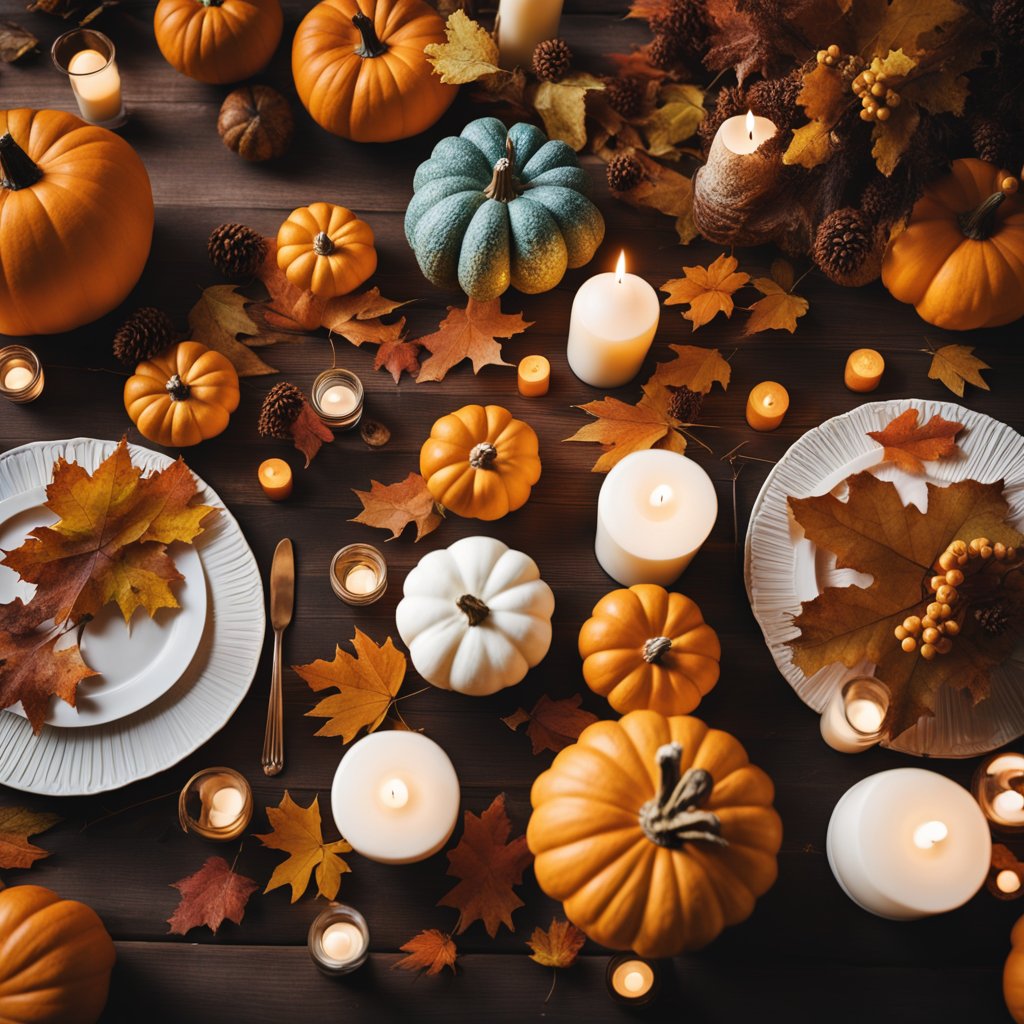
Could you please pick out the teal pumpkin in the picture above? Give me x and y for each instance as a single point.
(494, 208)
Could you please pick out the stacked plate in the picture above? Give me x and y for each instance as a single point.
(166, 684)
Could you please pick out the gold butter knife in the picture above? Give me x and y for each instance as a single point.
(282, 601)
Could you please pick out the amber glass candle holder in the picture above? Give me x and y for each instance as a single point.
(632, 981)
(215, 803)
(21, 374)
(337, 398)
(339, 940)
(359, 574)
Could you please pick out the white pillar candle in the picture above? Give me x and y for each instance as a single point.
(395, 797)
(521, 25)
(614, 317)
(655, 510)
(908, 843)
(97, 86)
(852, 719)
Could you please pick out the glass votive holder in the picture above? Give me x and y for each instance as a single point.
(215, 803)
(854, 719)
(998, 786)
(21, 374)
(631, 980)
(1006, 876)
(337, 398)
(339, 940)
(87, 58)
(359, 574)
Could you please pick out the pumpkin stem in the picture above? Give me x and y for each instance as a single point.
(483, 455)
(211, 3)
(17, 169)
(323, 245)
(503, 183)
(979, 223)
(370, 46)
(177, 389)
(655, 648)
(672, 818)
(476, 611)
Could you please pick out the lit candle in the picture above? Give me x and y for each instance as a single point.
(395, 797)
(521, 25)
(631, 980)
(767, 405)
(613, 321)
(656, 508)
(997, 786)
(339, 939)
(534, 377)
(852, 719)
(342, 941)
(1008, 881)
(18, 377)
(338, 401)
(337, 398)
(361, 579)
(907, 843)
(215, 803)
(864, 370)
(359, 574)
(21, 374)
(226, 805)
(275, 477)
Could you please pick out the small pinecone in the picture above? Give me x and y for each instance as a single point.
(552, 59)
(992, 619)
(991, 141)
(685, 23)
(884, 200)
(1008, 20)
(146, 333)
(282, 405)
(775, 98)
(625, 95)
(235, 250)
(665, 52)
(843, 241)
(731, 101)
(624, 172)
(685, 404)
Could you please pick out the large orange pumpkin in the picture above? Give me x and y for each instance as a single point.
(365, 76)
(55, 959)
(1013, 973)
(76, 215)
(218, 41)
(656, 833)
(960, 259)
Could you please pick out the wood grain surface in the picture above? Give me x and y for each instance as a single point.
(807, 954)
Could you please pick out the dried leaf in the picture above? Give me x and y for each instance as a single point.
(469, 52)
(780, 309)
(562, 107)
(954, 366)
(398, 357)
(214, 893)
(693, 367)
(488, 866)
(430, 951)
(810, 145)
(553, 724)
(393, 506)
(666, 191)
(366, 684)
(824, 95)
(469, 333)
(218, 318)
(906, 21)
(298, 832)
(17, 824)
(909, 446)
(621, 429)
(892, 137)
(15, 41)
(558, 946)
(288, 308)
(370, 305)
(707, 290)
(680, 113)
(309, 432)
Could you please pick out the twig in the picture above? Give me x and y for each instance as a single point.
(554, 981)
(737, 460)
(130, 807)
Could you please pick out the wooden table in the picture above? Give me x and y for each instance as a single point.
(807, 954)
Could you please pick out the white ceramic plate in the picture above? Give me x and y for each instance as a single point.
(783, 568)
(136, 663)
(76, 762)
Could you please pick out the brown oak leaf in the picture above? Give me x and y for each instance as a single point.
(367, 685)
(215, 893)
(430, 951)
(621, 429)
(297, 831)
(488, 867)
(309, 432)
(469, 333)
(15, 41)
(553, 724)
(17, 824)
(706, 290)
(393, 506)
(219, 317)
(780, 309)
(909, 446)
(955, 366)
(558, 946)
(288, 307)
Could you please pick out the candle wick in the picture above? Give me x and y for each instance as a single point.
(751, 136)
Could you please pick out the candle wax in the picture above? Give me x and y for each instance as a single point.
(17, 378)
(534, 376)
(275, 476)
(342, 941)
(97, 86)
(767, 405)
(394, 793)
(633, 979)
(338, 401)
(864, 370)
(361, 579)
(225, 806)
(865, 715)
(1008, 805)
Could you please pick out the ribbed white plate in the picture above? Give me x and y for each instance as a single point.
(782, 568)
(76, 762)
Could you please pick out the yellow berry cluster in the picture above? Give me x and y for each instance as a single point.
(876, 94)
(830, 57)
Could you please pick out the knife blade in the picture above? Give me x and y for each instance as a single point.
(282, 585)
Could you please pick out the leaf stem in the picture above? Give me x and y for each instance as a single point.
(130, 807)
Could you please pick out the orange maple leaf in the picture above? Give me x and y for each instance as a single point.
(431, 950)
(488, 867)
(214, 893)
(909, 446)
(288, 307)
(558, 946)
(16, 825)
(553, 724)
(393, 506)
(780, 308)
(707, 290)
(621, 428)
(358, 319)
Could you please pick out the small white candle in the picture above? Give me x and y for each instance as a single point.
(656, 508)
(521, 25)
(342, 941)
(97, 86)
(225, 806)
(745, 132)
(338, 401)
(17, 378)
(361, 579)
(613, 322)
(997, 787)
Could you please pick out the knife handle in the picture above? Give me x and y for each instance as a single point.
(272, 760)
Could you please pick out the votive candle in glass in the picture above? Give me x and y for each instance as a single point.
(998, 786)
(852, 720)
(339, 940)
(87, 57)
(215, 803)
(631, 980)
(359, 574)
(337, 398)
(21, 374)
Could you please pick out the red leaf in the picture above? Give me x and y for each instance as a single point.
(213, 893)
(431, 951)
(309, 432)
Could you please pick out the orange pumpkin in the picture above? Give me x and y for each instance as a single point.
(644, 647)
(183, 396)
(326, 249)
(76, 212)
(366, 77)
(218, 41)
(960, 259)
(480, 462)
(1013, 973)
(55, 959)
(656, 833)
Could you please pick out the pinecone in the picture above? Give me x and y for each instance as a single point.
(665, 52)
(624, 172)
(685, 23)
(843, 242)
(775, 98)
(884, 200)
(282, 405)
(146, 333)
(731, 101)
(991, 140)
(235, 250)
(625, 95)
(1008, 20)
(552, 59)
(685, 405)
(992, 619)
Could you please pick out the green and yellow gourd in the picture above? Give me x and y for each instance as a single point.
(494, 208)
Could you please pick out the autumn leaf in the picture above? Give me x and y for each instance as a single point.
(621, 429)
(17, 824)
(695, 368)
(558, 946)
(367, 685)
(15, 42)
(902, 23)
(397, 357)
(824, 94)
(955, 366)
(218, 318)
(562, 107)
(393, 506)
(909, 446)
(468, 53)
(309, 432)
(431, 951)
(707, 291)
(810, 146)
(553, 724)
(469, 333)
(288, 307)
(666, 191)
(488, 867)
(674, 120)
(297, 831)
(214, 893)
(780, 308)
(357, 318)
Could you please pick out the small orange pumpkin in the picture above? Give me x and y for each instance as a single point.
(55, 958)
(480, 462)
(644, 647)
(1013, 973)
(326, 249)
(183, 396)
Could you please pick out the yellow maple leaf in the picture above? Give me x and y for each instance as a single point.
(562, 107)
(468, 54)
(810, 145)
(558, 946)
(675, 120)
(694, 368)
(707, 290)
(824, 95)
(780, 308)
(621, 428)
(955, 366)
(891, 138)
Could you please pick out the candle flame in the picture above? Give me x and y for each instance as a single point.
(620, 267)
(930, 833)
(1008, 881)
(750, 125)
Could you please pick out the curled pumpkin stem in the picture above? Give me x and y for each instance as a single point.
(673, 817)
(655, 649)
(323, 244)
(979, 223)
(475, 610)
(483, 455)
(177, 388)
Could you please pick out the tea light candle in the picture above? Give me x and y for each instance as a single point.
(852, 719)
(907, 843)
(21, 374)
(215, 803)
(631, 980)
(655, 510)
(534, 377)
(998, 786)
(337, 398)
(339, 940)
(864, 370)
(225, 806)
(342, 941)
(1008, 881)
(521, 25)
(87, 58)
(767, 405)
(613, 322)
(395, 797)
(359, 574)
(275, 476)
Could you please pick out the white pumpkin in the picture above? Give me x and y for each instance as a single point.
(476, 616)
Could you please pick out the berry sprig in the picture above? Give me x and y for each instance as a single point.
(875, 90)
